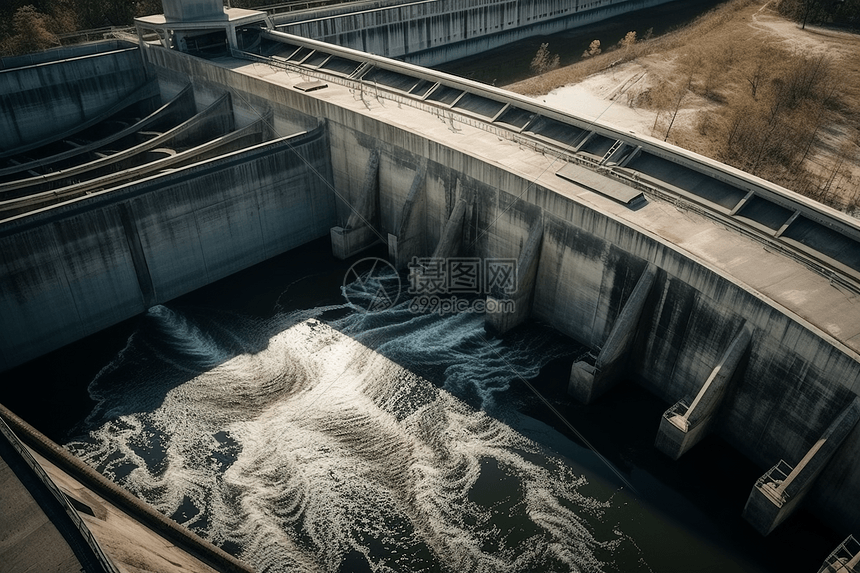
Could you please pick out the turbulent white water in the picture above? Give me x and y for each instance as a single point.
(304, 446)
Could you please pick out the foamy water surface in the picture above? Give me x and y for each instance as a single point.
(304, 444)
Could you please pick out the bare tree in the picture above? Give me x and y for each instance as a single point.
(755, 75)
(627, 42)
(593, 49)
(31, 31)
(544, 61)
(682, 90)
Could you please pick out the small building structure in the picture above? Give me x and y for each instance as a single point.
(198, 26)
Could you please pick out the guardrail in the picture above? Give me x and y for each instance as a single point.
(844, 559)
(81, 36)
(285, 7)
(771, 481)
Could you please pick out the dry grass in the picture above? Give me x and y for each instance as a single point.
(755, 91)
(613, 56)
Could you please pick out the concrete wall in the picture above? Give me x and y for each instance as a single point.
(431, 32)
(72, 270)
(39, 101)
(795, 381)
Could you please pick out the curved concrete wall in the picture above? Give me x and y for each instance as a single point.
(435, 31)
(795, 381)
(74, 269)
(40, 101)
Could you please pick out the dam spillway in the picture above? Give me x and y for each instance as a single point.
(725, 253)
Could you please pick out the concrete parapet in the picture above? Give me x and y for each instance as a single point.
(174, 112)
(408, 241)
(844, 559)
(588, 381)
(360, 232)
(213, 122)
(778, 492)
(526, 270)
(685, 424)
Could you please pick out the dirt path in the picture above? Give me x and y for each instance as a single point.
(619, 95)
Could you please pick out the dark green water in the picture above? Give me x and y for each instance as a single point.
(511, 63)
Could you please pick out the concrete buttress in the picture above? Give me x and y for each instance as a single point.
(777, 493)
(687, 422)
(450, 241)
(589, 381)
(452, 234)
(360, 231)
(500, 316)
(408, 241)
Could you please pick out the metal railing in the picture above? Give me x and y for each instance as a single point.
(679, 408)
(770, 482)
(285, 7)
(94, 34)
(844, 559)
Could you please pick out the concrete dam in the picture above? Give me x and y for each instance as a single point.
(727, 297)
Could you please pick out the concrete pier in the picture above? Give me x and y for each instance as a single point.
(360, 231)
(498, 317)
(452, 234)
(408, 241)
(589, 380)
(777, 494)
(687, 422)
